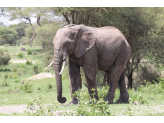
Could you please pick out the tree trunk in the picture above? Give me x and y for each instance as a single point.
(130, 81)
(32, 38)
(66, 18)
(43, 45)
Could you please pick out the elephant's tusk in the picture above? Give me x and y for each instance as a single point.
(49, 65)
(62, 68)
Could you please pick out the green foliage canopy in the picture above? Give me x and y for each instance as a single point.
(7, 36)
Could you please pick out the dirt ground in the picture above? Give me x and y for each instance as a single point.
(22, 108)
(20, 61)
(13, 109)
(42, 75)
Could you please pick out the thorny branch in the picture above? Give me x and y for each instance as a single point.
(27, 18)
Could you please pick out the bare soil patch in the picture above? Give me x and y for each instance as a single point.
(42, 75)
(10, 109)
(13, 109)
(20, 61)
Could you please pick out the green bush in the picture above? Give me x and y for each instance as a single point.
(92, 108)
(49, 86)
(157, 87)
(29, 52)
(103, 92)
(13, 75)
(4, 58)
(7, 45)
(28, 63)
(14, 70)
(37, 108)
(16, 81)
(35, 53)
(136, 97)
(20, 55)
(23, 66)
(36, 70)
(27, 88)
(5, 81)
(6, 50)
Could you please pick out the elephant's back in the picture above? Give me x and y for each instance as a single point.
(110, 43)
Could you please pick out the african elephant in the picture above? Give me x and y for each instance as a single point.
(93, 49)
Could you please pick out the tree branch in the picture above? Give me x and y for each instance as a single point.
(38, 21)
(66, 18)
(27, 18)
(73, 18)
(96, 25)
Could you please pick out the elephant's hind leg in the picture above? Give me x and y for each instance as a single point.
(114, 76)
(124, 96)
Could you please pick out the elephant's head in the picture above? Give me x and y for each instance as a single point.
(70, 40)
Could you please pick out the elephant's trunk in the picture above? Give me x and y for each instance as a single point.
(57, 68)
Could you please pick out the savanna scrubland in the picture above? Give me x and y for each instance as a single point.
(24, 83)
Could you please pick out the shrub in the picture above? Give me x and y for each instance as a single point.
(49, 86)
(4, 58)
(6, 50)
(14, 70)
(27, 88)
(35, 68)
(7, 45)
(153, 88)
(20, 55)
(92, 108)
(103, 92)
(13, 75)
(136, 98)
(23, 66)
(28, 63)
(5, 81)
(29, 52)
(37, 108)
(16, 81)
(35, 53)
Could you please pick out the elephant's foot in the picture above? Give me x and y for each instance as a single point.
(109, 101)
(74, 101)
(121, 100)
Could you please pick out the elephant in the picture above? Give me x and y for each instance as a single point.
(103, 48)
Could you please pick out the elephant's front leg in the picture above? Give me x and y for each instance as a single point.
(75, 80)
(90, 74)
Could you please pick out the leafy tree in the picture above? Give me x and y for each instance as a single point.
(2, 24)
(26, 13)
(4, 57)
(20, 29)
(7, 35)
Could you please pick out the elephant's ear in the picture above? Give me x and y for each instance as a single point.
(84, 41)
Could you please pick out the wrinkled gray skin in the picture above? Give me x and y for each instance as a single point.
(93, 49)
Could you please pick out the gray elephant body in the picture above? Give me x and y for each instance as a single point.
(93, 49)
